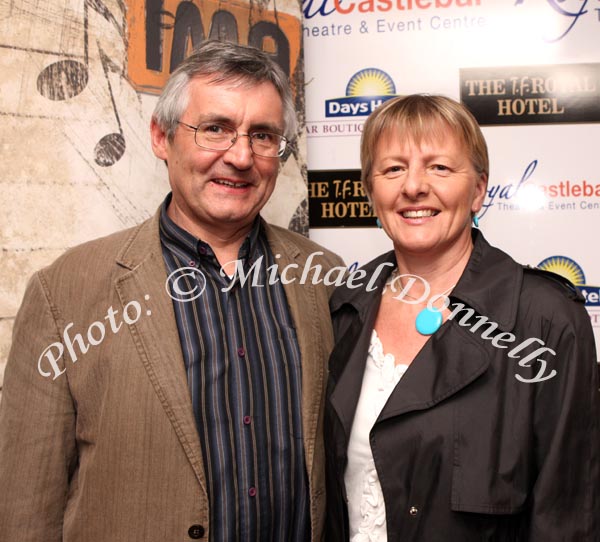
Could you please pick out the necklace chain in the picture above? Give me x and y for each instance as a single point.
(396, 277)
(429, 319)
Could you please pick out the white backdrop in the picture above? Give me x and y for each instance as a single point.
(544, 190)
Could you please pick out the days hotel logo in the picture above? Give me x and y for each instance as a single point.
(366, 90)
(571, 270)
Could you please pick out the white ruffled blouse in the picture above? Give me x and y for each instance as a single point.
(366, 508)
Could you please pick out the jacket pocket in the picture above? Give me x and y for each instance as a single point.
(490, 466)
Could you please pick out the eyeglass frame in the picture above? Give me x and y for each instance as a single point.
(283, 144)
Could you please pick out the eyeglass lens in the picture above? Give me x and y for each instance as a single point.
(219, 137)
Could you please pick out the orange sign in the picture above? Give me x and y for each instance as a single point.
(161, 33)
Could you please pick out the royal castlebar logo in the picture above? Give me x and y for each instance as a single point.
(366, 90)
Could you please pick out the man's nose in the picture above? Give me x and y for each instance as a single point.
(240, 154)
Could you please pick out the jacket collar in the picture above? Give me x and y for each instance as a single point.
(142, 244)
(488, 271)
(450, 360)
(156, 338)
(280, 242)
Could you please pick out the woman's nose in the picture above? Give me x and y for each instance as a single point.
(415, 183)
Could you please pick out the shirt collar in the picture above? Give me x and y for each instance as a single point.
(176, 237)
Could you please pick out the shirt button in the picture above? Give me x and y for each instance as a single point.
(247, 420)
(241, 352)
(252, 492)
(196, 531)
(192, 263)
(202, 250)
(413, 511)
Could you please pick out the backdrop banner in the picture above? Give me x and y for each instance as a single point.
(530, 72)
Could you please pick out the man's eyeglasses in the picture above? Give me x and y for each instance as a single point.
(218, 137)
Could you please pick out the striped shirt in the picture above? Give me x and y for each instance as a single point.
(244, 375)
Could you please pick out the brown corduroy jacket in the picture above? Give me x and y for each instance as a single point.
(108, 451)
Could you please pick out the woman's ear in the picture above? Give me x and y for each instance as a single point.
(480, 193)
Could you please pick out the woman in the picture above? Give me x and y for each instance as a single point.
(463, 398)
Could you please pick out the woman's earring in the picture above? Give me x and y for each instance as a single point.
(476, 221)
(378, 222)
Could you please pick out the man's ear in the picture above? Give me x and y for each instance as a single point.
(160, 143)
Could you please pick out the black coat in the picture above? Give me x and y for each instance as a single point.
(464, 450)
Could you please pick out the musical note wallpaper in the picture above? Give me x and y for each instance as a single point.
(79, 82)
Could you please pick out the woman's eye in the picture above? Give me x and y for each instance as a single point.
(393, 170)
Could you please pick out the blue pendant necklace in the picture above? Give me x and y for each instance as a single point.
(429, 319)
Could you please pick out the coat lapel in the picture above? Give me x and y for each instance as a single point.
(347, 378)
(348, 359)
(304, 309)
(454, 357)
(449, 361)
(156, 336)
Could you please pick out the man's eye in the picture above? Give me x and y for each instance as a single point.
(262, 137)
(213, 128)
(440, 167)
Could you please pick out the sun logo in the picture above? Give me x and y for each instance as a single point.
(366, 90)
(370, 82)
(561, 265)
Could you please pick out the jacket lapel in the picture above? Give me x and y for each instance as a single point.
(156, 336)
(347, 378)
(302, 302)
(450, 360)
(348, 359)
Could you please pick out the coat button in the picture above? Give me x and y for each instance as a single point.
(196, 531)
(413, 511)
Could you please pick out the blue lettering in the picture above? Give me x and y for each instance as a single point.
(506, 191)
(574, 15)
(309, 13)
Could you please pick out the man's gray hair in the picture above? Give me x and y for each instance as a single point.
(223, 62)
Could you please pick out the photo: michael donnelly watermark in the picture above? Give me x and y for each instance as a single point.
(470, 319)
(77, 345)
(335, 276)
(186, 284)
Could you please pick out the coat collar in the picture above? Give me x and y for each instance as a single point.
(491, 283)
(450, 360)
(143, 243)
(156, 338)
(488, 271)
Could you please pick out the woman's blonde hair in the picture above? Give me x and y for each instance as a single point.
(419, 117)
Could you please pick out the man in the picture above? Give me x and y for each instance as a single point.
(161, 386)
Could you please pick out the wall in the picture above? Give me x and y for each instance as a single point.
(79, 84)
